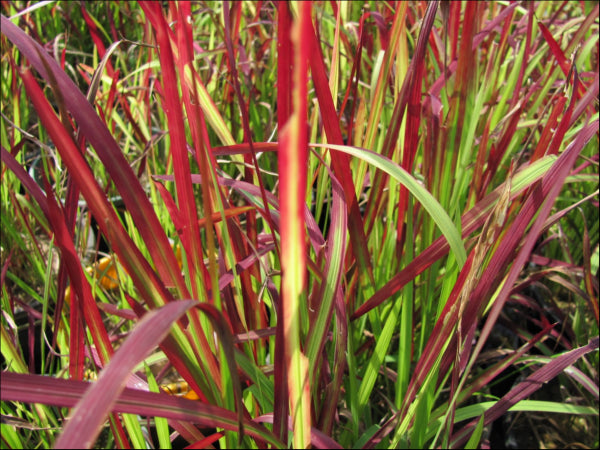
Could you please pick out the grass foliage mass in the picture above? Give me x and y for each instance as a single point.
(319, 224)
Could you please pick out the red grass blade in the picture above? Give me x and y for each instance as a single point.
(525, 388)
(99, 136)
(284, 111)
(413, 81)
(591, 283)
(190, 234)
(67, 393)
(293, 156)
(88, 416)
(129, 255)
(96, 37)
(56, 219)
(340, 162)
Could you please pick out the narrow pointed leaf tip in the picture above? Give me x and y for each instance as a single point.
(437, 212)
(87, 417)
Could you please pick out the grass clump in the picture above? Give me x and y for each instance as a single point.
(338, 224)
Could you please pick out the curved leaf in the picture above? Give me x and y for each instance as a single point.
(439, 215)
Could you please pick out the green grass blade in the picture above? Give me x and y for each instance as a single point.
(432, 206)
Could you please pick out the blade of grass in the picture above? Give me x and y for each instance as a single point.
(284, 111)
(190, 234)
(162, 428)
(527, 387)
(427, 200)
(78, 279)
(85, 421)
(479, 409)
(413, 114)
(330, 290)
(67, 393)
(292, 179)
(251, 158)
(472, 219)
(542, 197)
(136, 265)
(106, 147)
(340, 163)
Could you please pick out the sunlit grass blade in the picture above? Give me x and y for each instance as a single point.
(340, 163)
(67, 393)
(429, 203)
(293, 154)
(528, 386)
(190, 234)
(329, 291)
(387, 210)
(99, 136)
(472, 219)
(85, 422)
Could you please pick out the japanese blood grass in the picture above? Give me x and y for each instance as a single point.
(358, 197)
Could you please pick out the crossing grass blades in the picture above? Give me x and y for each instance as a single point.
(341, 224)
